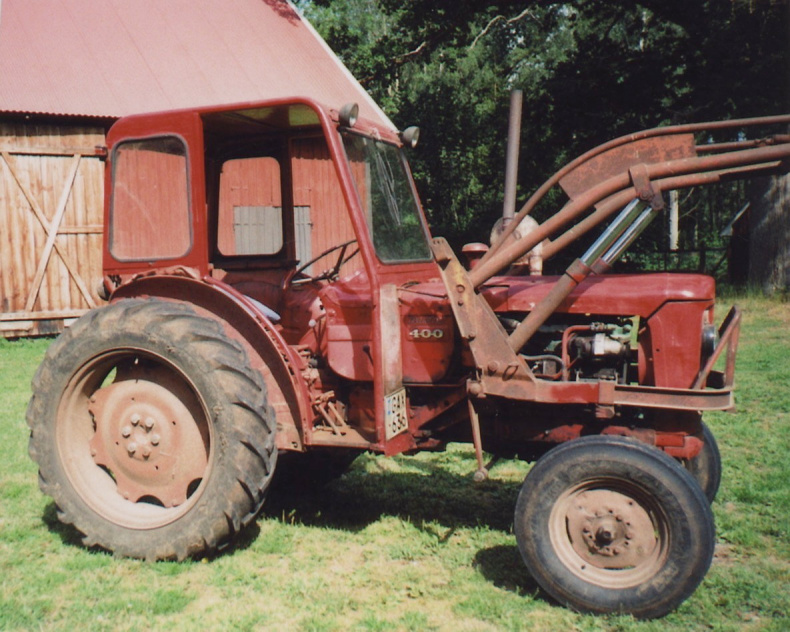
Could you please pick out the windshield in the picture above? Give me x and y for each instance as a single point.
(388, 199)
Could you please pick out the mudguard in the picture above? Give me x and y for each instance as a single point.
(244, 321)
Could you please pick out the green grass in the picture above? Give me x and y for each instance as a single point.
(409, 543)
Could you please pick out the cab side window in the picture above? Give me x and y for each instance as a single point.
(149, 213)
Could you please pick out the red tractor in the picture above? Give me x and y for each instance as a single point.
(273, 290)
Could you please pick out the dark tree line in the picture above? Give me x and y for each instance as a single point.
(590, 70)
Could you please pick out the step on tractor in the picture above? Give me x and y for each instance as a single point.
(277, 305)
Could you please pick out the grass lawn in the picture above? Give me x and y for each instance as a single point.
(409, 543)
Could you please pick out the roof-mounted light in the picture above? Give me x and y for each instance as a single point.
(348, 115)
(410, 137)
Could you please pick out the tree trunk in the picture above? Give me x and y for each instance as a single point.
(769, 227)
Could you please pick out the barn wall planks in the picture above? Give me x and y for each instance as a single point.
(48, 172)
(321, 213)
(316, 186)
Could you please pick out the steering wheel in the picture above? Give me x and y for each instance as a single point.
(330, 274)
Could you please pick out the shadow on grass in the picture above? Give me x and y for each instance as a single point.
(361, 498)
(427, 496)
(502, 566)
(67, 534)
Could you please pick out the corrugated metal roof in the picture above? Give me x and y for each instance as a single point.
(118, 57)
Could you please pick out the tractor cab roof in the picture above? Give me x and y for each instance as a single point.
(271, 117)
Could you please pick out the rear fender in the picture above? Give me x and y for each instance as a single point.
(280, 366)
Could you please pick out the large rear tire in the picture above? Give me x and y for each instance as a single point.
(150, 430)
(607, 524)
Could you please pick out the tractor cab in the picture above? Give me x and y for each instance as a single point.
(306, 215)
(284, 187)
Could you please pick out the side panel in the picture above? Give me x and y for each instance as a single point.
(427, 337)
(349, 332)
(670, 351)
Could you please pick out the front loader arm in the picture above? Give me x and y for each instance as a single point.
(499, 370)
(629, 173)
(641, 165)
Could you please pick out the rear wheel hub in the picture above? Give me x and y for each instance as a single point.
(147, 438)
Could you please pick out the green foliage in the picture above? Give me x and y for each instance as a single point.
(590, 71)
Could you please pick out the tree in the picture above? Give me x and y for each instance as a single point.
(590, 70)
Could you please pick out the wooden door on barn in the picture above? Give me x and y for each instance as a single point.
(252, 220)
(51, 200)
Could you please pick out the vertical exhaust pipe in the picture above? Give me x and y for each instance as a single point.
(511, 167)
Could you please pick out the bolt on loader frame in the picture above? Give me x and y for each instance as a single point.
(277, 306)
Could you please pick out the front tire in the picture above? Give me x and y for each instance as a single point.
(607, 524)
(150, 430)
(706, 466)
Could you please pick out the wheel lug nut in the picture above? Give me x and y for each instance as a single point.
(155, 438)
(149, 423)
(131, 448)
(126, 431)
(135, 419)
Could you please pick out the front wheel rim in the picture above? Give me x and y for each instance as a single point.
(610, 533)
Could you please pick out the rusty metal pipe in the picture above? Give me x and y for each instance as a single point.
(481, 473)
(574, 275)
(510, 252)
(506, 254)
(536, 197)
(777, 139)
(619, 199)
(511, 167)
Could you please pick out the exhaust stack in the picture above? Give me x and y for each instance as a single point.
(511, 167)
